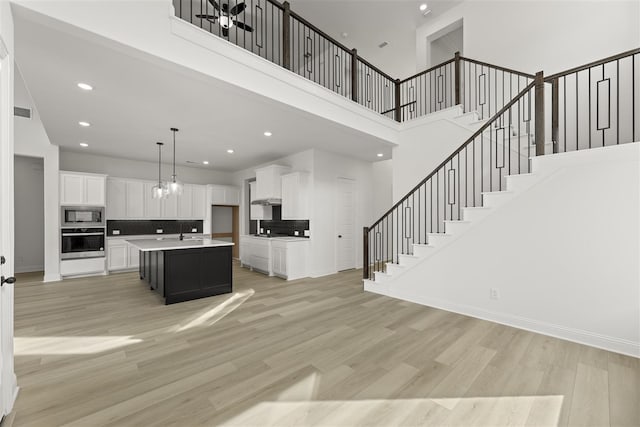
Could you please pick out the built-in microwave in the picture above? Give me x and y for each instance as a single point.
(82, 216)
(82, 243)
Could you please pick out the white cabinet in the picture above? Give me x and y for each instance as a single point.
(224, 195)
(185, 202)
(169, 208)
(134, 199)
(82, 189)
(258, 211)
(289, 258)
(117, 254)
(286, 258)
(199, 204)
(268, 182)
(295, 196)
(116, 198)
(151, 205)
(121, 255)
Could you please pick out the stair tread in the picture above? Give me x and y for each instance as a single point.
(497, 192)
(456, 221)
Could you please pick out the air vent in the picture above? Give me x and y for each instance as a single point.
(22, 112)
(383, 44)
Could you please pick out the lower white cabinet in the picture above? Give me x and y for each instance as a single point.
(286, 258)
(121, 255)
(80, 267)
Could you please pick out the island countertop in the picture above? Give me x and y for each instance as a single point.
(169, 244)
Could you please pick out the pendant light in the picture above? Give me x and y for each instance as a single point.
(160, 190)
(175, 186)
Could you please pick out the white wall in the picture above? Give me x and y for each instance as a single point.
(531, 36)
(423, 144)
(562, 254)
(29, 214)
(444, 47)
(31, 140)
(126, 168)
(382, 187)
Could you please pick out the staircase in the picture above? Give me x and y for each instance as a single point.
(494, 165)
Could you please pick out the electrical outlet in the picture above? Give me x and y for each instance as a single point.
(159, 230)
(116, 232)
(494, 293)
(194, 230)
(296, 233)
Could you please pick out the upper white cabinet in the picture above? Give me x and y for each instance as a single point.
(258, 211)
(224, 195)
(82, 189)
(131, 199)
(268, 182)
(295, 195)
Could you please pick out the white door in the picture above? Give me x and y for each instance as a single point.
(345, 224)
(7, 376)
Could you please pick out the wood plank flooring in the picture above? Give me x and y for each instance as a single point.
(105, 351)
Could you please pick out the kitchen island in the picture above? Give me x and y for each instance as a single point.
(183, 270)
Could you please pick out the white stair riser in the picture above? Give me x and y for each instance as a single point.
(381, 277)
(408, 260)
(475, 214)
(422, 251)
(393, 269)
(520, 182)
(455, 227)
(437, 239)
(495, 199)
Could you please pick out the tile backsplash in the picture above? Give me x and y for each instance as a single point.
(140, 227)
(279, 226)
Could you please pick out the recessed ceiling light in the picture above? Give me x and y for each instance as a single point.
(380, 154)
(344, 35)
(85, 86)
(423, 7)
(267, 133)
(85, 124)
(230, 151)
(206, 162)
(84, 144)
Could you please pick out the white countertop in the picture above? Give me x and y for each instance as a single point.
(168, 244)
(154, 236)
(280, 238)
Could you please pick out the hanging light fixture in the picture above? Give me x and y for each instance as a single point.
(160, 190)
(175, 186)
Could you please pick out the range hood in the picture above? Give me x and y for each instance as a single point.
(268, 202)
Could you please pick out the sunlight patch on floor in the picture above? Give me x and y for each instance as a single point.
(31, 346)
(210, 316)
(465, 411)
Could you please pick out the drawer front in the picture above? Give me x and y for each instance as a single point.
(260, 263)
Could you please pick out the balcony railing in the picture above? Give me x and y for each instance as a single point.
(275, 32)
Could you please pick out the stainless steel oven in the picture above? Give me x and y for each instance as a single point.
(82, 243)
(82, 216)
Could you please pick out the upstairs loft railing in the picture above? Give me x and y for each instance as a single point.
(275, 32)
(596, 104)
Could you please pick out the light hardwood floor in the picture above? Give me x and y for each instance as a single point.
(105, 351)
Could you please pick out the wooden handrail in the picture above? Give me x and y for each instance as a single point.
(428, 70)
(376, 69)
(319, 31)
(592, 64)
(497, 67)
(467, 142)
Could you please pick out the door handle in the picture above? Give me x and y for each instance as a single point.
(339, 236)
(9, 280)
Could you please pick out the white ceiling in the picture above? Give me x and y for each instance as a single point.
(371, 22)
(135, 102)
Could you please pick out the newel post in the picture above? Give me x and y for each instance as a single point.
(286, 36)
(365, 253)
(555, 120)
(354, 75)
(457, 77)
(397, 101)
(539, 125)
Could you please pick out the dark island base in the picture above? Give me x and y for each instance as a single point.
(185, 274)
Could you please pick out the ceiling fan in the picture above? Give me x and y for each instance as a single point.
(227, 17)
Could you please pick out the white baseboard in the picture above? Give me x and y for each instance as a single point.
(28, 268)
(52, 278)
(617, 345)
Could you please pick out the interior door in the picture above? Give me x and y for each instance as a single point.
(345, 224)
(7, 376)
